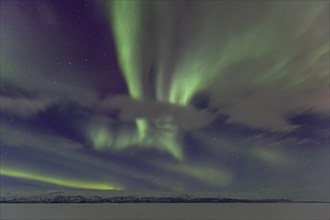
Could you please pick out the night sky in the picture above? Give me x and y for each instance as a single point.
(166, 96)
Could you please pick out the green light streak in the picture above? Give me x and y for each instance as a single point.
(169, 141)
(126, 16)
(200, 65)
(126, 24)
(142, 128)
(56, 180)
(194, 54)
(270, 156)
(102, 138)
(212, 176)
(185, 86)
(160, 85)
(320, 52)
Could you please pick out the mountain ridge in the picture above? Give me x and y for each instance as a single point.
(61, 197)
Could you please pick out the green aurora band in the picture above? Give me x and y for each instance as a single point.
(127, 36)
(56, 180)
(203, 56)
(186, 49)
(185, 60)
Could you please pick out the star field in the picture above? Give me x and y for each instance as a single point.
(214, 96)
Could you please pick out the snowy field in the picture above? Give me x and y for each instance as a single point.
(287, 211)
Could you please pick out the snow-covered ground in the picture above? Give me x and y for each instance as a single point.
(193, 211)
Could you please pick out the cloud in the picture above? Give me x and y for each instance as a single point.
(24, 107)
(270, 108)
(19, 137)
(159, 113)
(214, 177)
(318, 102)
(290, 77)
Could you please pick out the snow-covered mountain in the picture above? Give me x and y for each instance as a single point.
(119, 197)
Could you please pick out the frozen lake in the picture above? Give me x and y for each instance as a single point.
(182, 211)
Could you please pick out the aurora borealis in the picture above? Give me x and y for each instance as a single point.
(178, 96)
